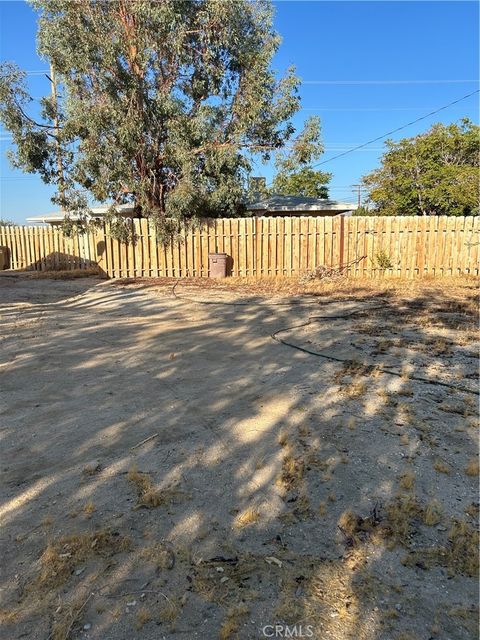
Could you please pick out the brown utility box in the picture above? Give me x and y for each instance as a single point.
(4, 262)
(217, 263)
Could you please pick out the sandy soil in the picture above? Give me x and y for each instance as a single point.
(275, 487)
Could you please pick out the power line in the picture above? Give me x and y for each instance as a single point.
(349, 109)
(393, 82)
(360, 146)
(389, 133)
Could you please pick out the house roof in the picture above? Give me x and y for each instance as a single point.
(278, 203)
(273, 204)
(95, 212)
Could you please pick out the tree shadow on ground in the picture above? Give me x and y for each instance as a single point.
(22, 287)
(273, 487)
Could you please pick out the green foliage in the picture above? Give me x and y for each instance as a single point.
(163, 104)
(71, 228)
(257, 189)
(435, 173)
(362, 211)
(383, 260)
(171, 230)
(294, 177)
(119, 228)
(304, 182)
(34, 142)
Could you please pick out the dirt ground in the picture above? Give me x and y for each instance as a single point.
(169, 470)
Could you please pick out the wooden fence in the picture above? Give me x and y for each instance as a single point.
(285, 246)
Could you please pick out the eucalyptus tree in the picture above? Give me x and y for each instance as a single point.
(294, 174)
(162, 104)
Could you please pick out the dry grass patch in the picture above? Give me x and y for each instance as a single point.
(460, 555)
(455, 407)
(61, 272)
(349, 524)
(61, 556)
(233, 620)
(441, 466)
(90, 470)
(293, 471)
(312, 460)
(357, 529)
(302, 509)
(456, 288)
(249, 516)
(401, 513)
(260, 462)
(440, 346)
(8, 616)
(405, 371)
(71, 614)
(473, 510)
(405, 412)
(351, 424)
(332, 603)
(143, 616)
(89, 508)
(148, 496)
(472, 468)
(169, 611)
(160, 554)
(355, 389)
(407, 480)
(432, 513)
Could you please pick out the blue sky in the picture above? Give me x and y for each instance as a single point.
(367, 67)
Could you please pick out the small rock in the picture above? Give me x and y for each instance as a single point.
(441, 528)
(79, 571)
(273, 560)
(87, 626)
(398, 607)
(220, 569)
(132, 603)
(224, 579)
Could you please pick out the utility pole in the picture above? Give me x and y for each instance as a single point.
(359, 194)
(56, 126)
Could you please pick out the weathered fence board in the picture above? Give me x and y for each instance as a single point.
(411, 247)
